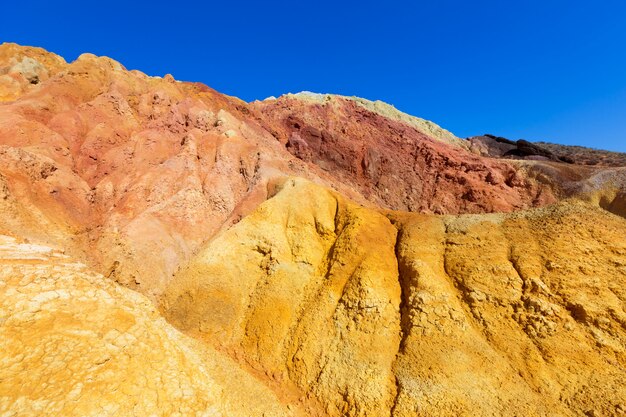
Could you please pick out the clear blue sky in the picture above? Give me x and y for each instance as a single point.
(539, 70)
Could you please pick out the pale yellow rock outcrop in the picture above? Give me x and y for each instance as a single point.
(73, 343)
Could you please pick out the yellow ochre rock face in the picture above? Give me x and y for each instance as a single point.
(306, 289)
(313, 305)
(406, 314)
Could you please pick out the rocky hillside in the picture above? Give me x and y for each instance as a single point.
(312, 255)
(372, 313)
(499, 147)
(587, 156)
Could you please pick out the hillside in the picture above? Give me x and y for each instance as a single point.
(170, 250)
(587, 156)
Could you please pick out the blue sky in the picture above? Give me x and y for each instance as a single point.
(539, 70)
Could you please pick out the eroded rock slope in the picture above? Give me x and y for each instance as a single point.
(74, 343)
(133, 173)
(265, 233)
(375, 313)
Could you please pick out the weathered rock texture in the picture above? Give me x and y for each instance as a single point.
(499, 147)
(586, 156)
(74, 343)
(129, 172)
(264, 232)
(372, 314)
(397, 164)
(496, 146)
(132, 173)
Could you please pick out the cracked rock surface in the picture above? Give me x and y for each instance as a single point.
(385, 312)
(75, 343)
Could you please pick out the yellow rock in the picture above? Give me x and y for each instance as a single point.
(306, 289)
(73, 343)
(313, 305)
(404, 314)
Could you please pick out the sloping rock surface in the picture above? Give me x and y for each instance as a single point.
(376, 313)
(74, 343)
(293, 248)
(397, 164)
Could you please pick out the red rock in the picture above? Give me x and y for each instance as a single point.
(134, 173)
(393, 164)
